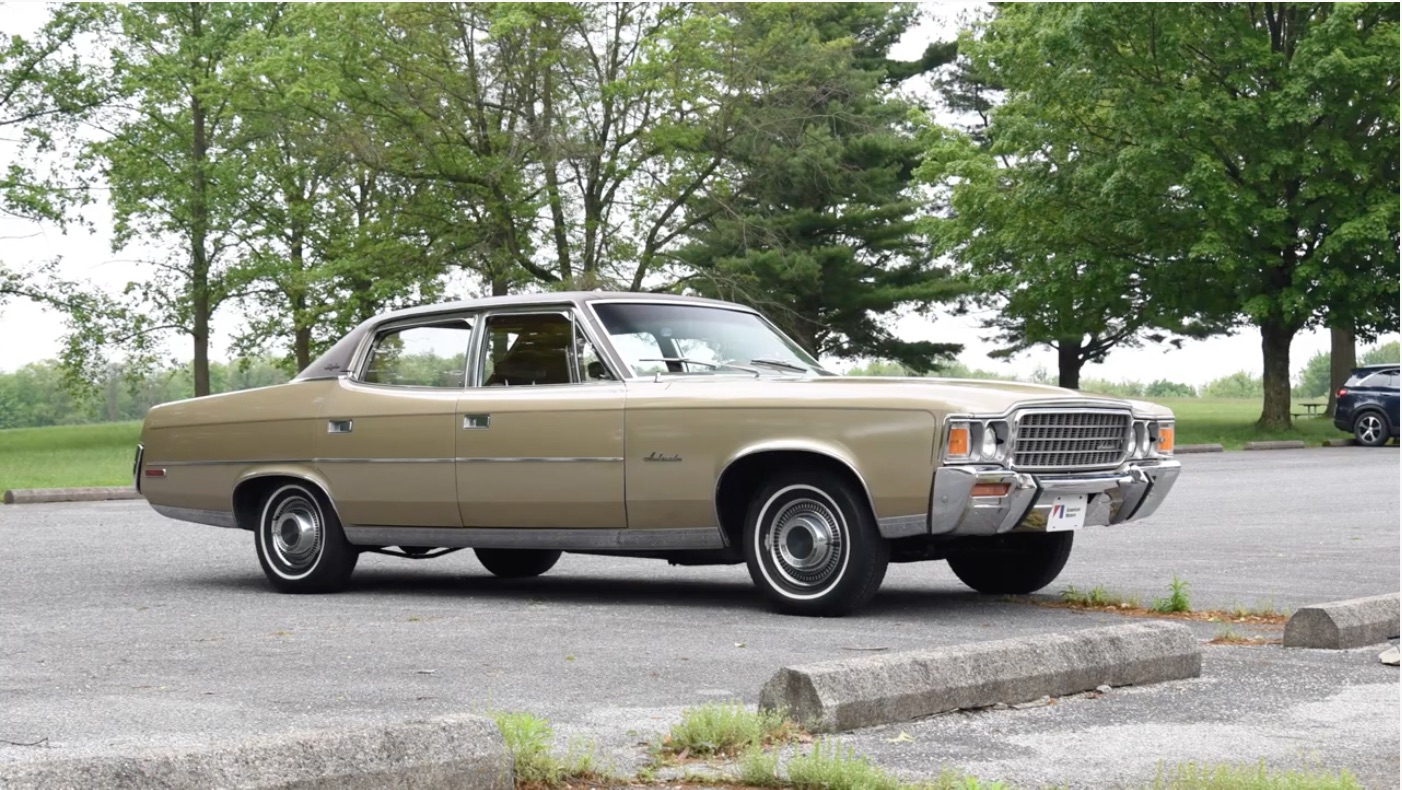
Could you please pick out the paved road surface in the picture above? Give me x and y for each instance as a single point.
(122, 630)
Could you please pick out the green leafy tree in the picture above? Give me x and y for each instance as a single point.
(171, 159)
(823, 235)
(44, 91)
(1314, 377)
(1382, 353)
(1268, 133)
(1237, 385)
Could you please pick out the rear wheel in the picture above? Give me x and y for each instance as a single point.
(300, 543)
(1014, 564)
(517, 563)
(1370, 429)
(812, 546)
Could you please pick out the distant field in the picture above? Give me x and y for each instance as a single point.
(101, 455)
(68, 455)
(1231, 422)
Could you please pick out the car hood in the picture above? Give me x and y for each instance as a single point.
(946, 396)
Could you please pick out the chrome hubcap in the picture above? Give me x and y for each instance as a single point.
(805, 542)
(297, 532)
(1370, 428)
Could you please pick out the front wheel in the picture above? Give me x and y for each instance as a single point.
(1370, 430)
(517, 563)
(1015, 564)
(300, 543)
(812, 546)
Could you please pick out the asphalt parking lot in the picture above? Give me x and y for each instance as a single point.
(122, 630)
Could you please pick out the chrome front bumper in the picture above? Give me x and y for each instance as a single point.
(1115, 497)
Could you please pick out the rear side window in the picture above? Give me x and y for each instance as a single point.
(431, 355)
(1368, 378)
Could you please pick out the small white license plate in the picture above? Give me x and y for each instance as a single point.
(1068, 511)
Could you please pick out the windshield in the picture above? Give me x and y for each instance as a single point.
(680, 338)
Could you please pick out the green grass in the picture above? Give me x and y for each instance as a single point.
(68, 455)
(1231, 422)
(1096, 596)
(1192, 776)
(725, 729)
(1177, 600)
(528, 739)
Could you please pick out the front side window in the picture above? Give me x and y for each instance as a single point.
(532, 349)
(427, 355)
(682, 338)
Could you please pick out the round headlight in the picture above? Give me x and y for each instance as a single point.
(1131, 443)
(1143, 431)
(989, 448)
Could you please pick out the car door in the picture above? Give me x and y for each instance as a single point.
(1390, 396)
(540, 431)
(387, 448)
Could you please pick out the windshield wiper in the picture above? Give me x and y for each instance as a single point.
(703, 363)
(782, 365)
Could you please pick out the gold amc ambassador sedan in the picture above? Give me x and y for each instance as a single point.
(636, 425)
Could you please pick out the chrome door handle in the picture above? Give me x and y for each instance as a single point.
(339, 426)
(471, 422)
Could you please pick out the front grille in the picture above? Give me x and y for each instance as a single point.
(1070, 439)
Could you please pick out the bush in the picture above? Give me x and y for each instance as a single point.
(1238, 385)
(1170, 389)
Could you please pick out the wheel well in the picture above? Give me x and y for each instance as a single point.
(249, 496)
(739, 482)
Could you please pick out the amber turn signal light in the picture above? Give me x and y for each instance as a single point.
(990, 489)
(1165, 438)
(958, 442)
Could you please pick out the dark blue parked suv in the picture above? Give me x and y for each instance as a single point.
(1367, 404)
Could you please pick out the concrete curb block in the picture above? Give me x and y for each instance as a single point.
(34, 496)
(862, 692)
(1197, 448)
(1342, 625)
(1338, 443)
(465, 752)
(1288, 444)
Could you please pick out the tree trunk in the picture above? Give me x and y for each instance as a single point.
(1275, 354)
(199, 227)
(1068, 363)
(1343, 357)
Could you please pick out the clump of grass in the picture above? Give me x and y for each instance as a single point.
(1191, 776)
(831, 766)
(1177, 600)
(759, 768)
(1264, 609)
(1097, 596)
(725, 729)
(528, 739)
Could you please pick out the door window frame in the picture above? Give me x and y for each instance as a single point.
(361, 360)
(477, 357)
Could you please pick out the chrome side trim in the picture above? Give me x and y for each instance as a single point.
(214, 518)
(527, 538)
(541, 460)
(471, 460)
(903, 526)
(242, 462)
(382, 460)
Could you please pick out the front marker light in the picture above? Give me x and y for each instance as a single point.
(1165, 438)
(957, 445)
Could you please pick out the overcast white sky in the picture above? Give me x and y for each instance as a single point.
(30, 333)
